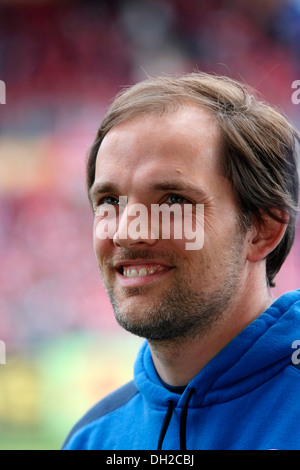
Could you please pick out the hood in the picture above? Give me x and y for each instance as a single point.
(258, 353)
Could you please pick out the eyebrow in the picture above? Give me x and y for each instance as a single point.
(172, 184)
(178, 185)
(101, 188)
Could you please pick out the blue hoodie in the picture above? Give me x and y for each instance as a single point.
(246, 397)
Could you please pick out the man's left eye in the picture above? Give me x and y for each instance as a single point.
(176, 199)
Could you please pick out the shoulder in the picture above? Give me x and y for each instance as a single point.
(112, 402)
(295, 365)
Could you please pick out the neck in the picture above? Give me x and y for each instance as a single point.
(178, 360)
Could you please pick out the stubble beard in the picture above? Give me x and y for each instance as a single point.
(182, 312)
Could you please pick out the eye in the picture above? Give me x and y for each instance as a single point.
(103, 201)
(176, 199)
(111, 200)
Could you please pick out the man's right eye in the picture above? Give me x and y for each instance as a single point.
(108, 200)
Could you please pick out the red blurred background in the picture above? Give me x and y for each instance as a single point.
(63, 62)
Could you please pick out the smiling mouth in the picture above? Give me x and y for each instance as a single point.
(141, 270)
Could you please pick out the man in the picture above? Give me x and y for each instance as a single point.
(216, 369)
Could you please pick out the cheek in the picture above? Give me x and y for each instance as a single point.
(102, 248)
(176, 246)
(105, 222)
(220, 228)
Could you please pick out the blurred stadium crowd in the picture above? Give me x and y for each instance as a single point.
(62, 62)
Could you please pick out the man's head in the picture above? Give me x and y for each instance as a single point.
(259, 155)
(193, 140)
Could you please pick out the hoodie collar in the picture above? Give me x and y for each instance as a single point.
(258, 353)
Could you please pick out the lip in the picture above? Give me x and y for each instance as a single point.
(138, 261)
(139, 281)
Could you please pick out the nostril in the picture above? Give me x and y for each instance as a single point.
(116, 240)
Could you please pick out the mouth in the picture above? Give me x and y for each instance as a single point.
(137, 273)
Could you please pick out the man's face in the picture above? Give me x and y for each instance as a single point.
(157, 287)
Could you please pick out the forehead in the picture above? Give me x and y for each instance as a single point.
(188, 138)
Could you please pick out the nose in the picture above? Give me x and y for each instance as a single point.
(134, 227)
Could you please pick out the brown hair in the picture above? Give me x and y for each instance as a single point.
(260, 145)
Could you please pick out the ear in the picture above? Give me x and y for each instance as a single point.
(266, 234)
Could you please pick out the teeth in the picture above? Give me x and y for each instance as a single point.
(143, 272)
(133, 273)
(139, 272)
